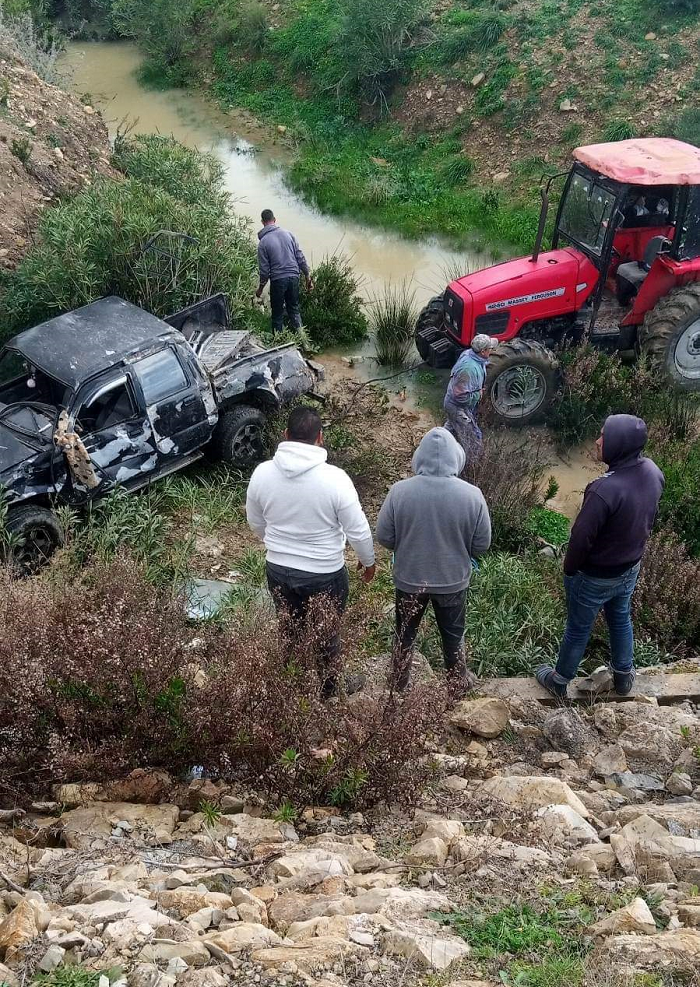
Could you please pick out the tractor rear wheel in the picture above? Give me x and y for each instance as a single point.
(430, 325)
(670, 337)
(521, 381)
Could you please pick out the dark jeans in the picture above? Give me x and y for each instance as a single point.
(465, 428)
(450, 611)
(293, 592)
(585, 597)
(284, 293)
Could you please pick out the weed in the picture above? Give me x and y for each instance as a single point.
(549, 525)
(392, 323)
(333, 312)
(349, 788)
(211, 812)
(21, 147)
(4, 91)
(286, 812)
(252, 26)
(685, 732)
(618, 130)
(39, 50)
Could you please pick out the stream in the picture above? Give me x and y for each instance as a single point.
(254, 175)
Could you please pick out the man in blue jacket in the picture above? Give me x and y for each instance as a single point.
(464, 391)
(281, 262)
(602, 561)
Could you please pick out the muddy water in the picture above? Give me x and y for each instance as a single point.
(253, 168)
(254, 176)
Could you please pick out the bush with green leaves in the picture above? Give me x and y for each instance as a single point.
(373, 40)
(333, 313)
(678, 510)
(164, 31)
(96, 243)
(392, 324)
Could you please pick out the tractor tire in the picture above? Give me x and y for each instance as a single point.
(239, 436)
(430, 324)
(521, 382)
(34, 535)
(670, 337)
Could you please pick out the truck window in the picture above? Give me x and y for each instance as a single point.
(111, 406)
(161, 375)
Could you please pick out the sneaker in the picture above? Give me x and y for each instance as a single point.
(624, 681)
(552, 682)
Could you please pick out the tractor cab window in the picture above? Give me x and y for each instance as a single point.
(689, 240)
(586, 213)
(653, 206)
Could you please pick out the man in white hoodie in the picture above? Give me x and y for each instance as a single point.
(305, 510)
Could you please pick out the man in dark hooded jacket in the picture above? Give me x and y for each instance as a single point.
(602, 561)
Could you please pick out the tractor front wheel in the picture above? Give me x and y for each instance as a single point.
(670, 337)
(430, 326)
(521, 382)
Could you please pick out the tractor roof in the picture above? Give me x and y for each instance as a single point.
(644, 161)
(78, 344)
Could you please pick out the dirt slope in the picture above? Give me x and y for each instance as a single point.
(50, 145)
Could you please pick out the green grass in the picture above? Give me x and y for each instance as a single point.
(549, 525)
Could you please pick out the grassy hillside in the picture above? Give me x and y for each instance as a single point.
(426, 115)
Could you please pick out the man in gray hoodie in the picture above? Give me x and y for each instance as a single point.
(281, 261)
(435, 524)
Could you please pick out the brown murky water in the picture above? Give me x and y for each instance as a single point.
(253, 169)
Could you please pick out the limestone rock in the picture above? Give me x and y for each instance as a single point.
(400, 904)
(677, 952)
(152, 823)
(679, 783)
(52, 958)
(474, 848)
(636, 780)
(601, 854)
(533, 792)
(248, 907)
(635, 917)
(245, 936)
(610, 760)
(478, 79)
(444, 829)
(487, 717)
(566, 730)
(431, 852)
(310, 956)
(194, 953)
(7, 976)
(562, 821)
(185, 901)
(425, 950)
(18, 929)
(317, 862)
(681, 819)
(292, 907)
(689, 913)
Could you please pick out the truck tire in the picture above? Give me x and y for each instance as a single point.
(521, 382)
(670, 337)
(429, 325)
(35, 534)
(238, 437)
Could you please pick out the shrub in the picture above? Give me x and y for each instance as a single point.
(679, 503)
(593, 387)
(252, 26)
(618, 130)
(163, 30)
(39, 50)
(333, 312)
(21, 147)
(477, 31)
(666, 602)
(458, 169)
(372, 42)
(98, 677)
(93, 244)
(549, 525)
(514, 617)
(392, 322)
(685, 126)
(508, 473)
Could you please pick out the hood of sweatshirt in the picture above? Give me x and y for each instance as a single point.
(267, 229)
(439, 454)
(624, 437)
(294, 458)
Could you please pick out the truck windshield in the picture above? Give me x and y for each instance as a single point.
(586, 213)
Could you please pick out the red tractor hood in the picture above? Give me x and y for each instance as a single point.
(501, 299)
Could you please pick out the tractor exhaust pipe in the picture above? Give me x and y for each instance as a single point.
(544, 192)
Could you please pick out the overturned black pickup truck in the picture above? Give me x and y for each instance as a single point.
(109, 394)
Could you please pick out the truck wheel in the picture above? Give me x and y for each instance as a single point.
(238, 437)
(521, 381)
(670, 337)
(430, 325)
(34, 535)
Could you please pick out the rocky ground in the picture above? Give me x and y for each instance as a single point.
(168, 882)
(50, 145)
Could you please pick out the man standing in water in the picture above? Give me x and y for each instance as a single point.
(281, 262)
(464, 393)
(605, 550)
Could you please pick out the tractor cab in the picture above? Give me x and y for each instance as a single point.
(626, 238)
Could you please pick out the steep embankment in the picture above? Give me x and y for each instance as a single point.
(50, 144)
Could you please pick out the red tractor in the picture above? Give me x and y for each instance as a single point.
(623, 273)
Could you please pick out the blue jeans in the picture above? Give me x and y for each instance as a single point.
(585, 597)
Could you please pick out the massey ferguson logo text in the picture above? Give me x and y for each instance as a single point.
(538, 296)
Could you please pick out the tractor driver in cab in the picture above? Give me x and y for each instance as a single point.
(464, 392)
